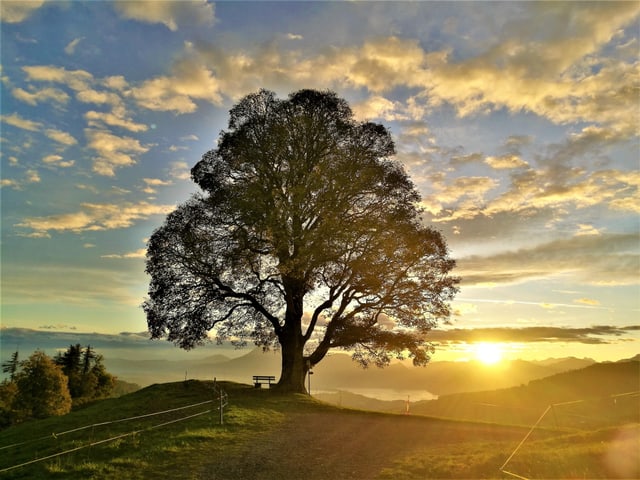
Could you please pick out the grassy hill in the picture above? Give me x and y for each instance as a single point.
(590, 397)
(269, 436)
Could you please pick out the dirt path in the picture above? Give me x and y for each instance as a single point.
(338, 446)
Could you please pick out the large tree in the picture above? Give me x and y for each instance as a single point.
(306, 236)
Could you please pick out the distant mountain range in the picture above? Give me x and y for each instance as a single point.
(339, 372)
(596, 396)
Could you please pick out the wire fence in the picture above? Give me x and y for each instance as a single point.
(220, 401)
(583, 414)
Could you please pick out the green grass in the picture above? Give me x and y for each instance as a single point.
(270, 436)
(603, 454)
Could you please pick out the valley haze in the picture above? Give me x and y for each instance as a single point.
(132, 357)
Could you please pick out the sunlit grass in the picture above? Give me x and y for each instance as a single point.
(195, 449)
(606, 453)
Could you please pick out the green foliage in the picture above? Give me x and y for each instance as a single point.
(8, 392)
(42, 388)
(88, 378)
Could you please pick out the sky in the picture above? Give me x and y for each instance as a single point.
(517, 121)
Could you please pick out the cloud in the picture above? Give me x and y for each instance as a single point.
(115, 82)
(607, 259)
(35, 97)
(180, 171)
(99, 119)
(471, 190)
(31, 176)
(169, 13)
(587, 230)
(599, 334)
(17, 121)
(140, 253)
(379, 107)
(113, 151)
(92, 217)
(116, 345)
(9, 182)
(190, 81)
(71, 286)
(100, 98)
(507, 161)
(70, 49)
(57, 160)
(61, 137)
(16, 12)
(565, 176)
(548, 67)
(77, 80)
(152, 183)
(470, 158)
(587, 301)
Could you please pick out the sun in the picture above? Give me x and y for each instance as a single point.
(488, 353)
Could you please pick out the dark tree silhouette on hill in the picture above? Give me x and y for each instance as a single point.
(11, 366)
(306, 237)
(88, 378)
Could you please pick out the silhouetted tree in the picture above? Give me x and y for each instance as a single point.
(11, 366)
(88, 356)
(88, 378)
(307, 237)
(42, 388)
(70, 361)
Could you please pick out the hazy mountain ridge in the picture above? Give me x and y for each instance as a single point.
(598, 395)
(339, 372)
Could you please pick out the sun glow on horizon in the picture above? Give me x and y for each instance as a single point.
(487, 353)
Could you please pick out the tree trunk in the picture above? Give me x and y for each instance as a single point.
(294, 367)
(291, 340)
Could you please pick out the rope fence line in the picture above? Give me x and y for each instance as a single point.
(91, 444)
(222, 398)
(119, 420)
(550, 407)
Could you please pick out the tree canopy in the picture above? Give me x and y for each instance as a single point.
(306, 236)
(41, 388)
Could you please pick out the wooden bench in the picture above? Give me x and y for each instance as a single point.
(259, 380)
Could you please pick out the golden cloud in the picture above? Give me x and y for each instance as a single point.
(16, 12)
(472, 189)
(587, 301)
(38, 96)
(140, 253)
(607, 259)
(93, 217)
(77, 80)
(169, 13)
(99, 119)
(507, 161)
(61, 137)
(190, 81)
(57, 160)
(17, 121)
(100, 98)
(113, 151)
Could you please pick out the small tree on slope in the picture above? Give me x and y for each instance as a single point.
(306, 237)
(42, 388)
